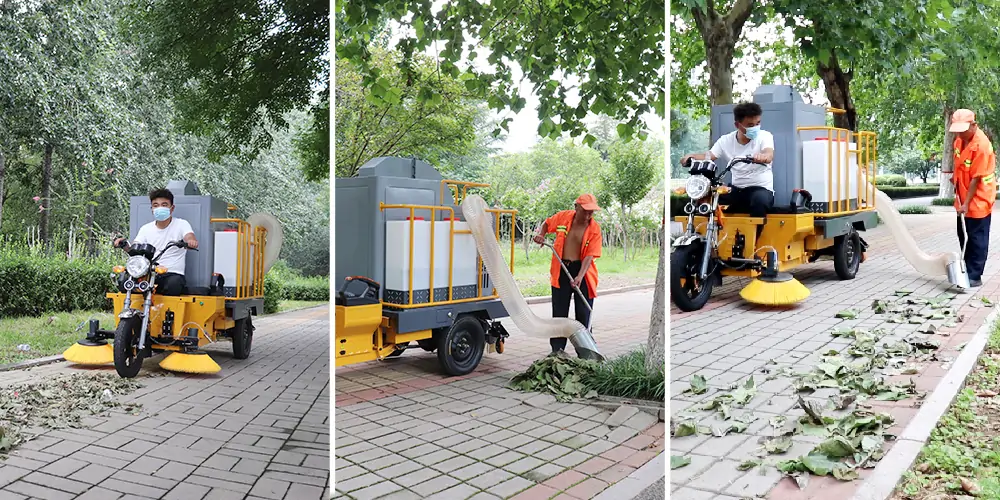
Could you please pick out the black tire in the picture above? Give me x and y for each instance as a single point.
(689, 294)
(427, 344)
(242, 338)
(400, 347)
(847, 255)
(460, 348)
(128, 357)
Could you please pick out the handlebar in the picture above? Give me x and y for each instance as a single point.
(370, 286)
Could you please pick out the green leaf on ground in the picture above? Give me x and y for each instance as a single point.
(686, 428)
(698, 385)
(749, 464)
(777, 444)
(846, 314)
(676, 462)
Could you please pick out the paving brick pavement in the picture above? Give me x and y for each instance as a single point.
(258, 429)
(403, 430)
(729, 340)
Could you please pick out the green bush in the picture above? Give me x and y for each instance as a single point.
(626, 377)
(893, 180)
(909, 191)
(677, 202)
(311, 289)
(914, 210)
(31, 284)
(943, 202)
(274, 293)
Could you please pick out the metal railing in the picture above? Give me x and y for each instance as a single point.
(839, 172)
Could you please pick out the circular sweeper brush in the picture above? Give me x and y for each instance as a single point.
(774, 288)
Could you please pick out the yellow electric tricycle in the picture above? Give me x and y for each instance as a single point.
(225, 288)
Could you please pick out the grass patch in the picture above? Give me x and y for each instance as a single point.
(295, 305)
(567, 377)
(914, 210)
(943, 202)
(531, 272)
(963, 454)
(51, 334)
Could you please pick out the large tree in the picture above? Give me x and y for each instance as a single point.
(719, 25)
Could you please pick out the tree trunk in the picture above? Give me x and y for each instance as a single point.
(720, 33)
(624, 235)
(947, 189)
(3, 172)
(838, 91)
(655, 347)
(43, 224)
(91, 247)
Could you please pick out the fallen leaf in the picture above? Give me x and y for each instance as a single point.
(986, 394)
(698, 385)
(847, 314)
(777, 445)
(749, 464)
(676, 462)
(971, 487)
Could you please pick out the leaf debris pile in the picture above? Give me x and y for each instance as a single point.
(562, 376)
(853, 439)
(58, 403)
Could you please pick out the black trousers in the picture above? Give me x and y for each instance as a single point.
(978, 246)
(167, 284)
(562, 296)
(753, 200)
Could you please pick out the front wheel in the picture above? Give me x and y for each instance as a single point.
(847, 255)
(687, 291)
(242, 338)
(461, 347)
(128, 357)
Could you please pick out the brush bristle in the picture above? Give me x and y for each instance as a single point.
(774, 293)
(190, 363)
(90, 354)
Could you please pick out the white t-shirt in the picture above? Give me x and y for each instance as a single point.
(746, 174)
(173, 259)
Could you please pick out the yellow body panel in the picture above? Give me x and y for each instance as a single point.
(357, 333)
(190, 310)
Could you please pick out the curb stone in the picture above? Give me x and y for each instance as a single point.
(884, 479)
(638, 481)
(631, 288)
(31, 363)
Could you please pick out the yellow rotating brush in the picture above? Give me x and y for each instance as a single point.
(87, 352)
(190, 362)
(774, 288)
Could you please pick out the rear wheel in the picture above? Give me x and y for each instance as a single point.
(460, 348)
(847, 255)
(242, 338)
(686, 290)
(128, 357)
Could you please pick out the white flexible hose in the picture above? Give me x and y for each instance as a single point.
(474, 209)
(931, 265)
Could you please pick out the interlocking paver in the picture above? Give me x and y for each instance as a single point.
(730, 339)
(200, 437)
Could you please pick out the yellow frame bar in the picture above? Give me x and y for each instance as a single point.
(451, 183)
(865, 143)
(249, 250)
(451, 252)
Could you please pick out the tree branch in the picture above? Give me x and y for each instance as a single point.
(738, 16)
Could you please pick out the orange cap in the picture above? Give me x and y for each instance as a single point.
(961, 120)
(588, 202)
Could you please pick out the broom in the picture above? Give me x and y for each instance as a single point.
(774, 288)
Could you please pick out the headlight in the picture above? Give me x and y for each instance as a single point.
(137, 266)
(697, 187)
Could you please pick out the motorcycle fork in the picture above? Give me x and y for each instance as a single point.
(147, 304)
(710, 234)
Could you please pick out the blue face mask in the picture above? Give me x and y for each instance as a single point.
(752, 132)
(161, 213)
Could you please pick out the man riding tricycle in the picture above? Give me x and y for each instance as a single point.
(172, 301)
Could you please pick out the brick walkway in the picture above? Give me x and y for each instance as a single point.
(258, 429)
(731, 339)
(403, 430)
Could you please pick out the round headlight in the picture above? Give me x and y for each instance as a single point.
(137, 266)
(697, 187)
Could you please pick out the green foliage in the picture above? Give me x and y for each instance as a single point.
(626, 377)
(238, 68)
(914, 210)
(34, 284)
(621, 76)
(568, 378)
(274, 292)
(909, 191)
(630, 174)
(687, 135)
(391, 119)
(677, 202)
(893, 180)
(943, 202)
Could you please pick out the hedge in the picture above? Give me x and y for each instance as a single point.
(893, 180)
(311, 289)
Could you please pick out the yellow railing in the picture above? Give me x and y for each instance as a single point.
(249, 253)
(838, 169)
(451, 255)
(465, 185)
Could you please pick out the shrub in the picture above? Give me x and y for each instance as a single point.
(943, 202)
(32, 284)
(311, 289)
(909, 191)
(893, 180)
(274, 291)
(914, 210)
(626, 377)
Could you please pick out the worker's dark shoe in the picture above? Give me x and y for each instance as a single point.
(976, 283)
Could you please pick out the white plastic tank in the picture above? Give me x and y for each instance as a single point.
(817, 155)
(464, 270)
(397, 256)
(226, 254)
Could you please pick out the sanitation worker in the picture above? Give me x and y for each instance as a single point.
(975, 190)
(165, 229)
(578, 243)
(752, 184)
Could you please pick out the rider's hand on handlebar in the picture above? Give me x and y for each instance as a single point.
(118, 243)
(763, 157)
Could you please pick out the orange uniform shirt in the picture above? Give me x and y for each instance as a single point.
(560, 223)
(975, 159)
